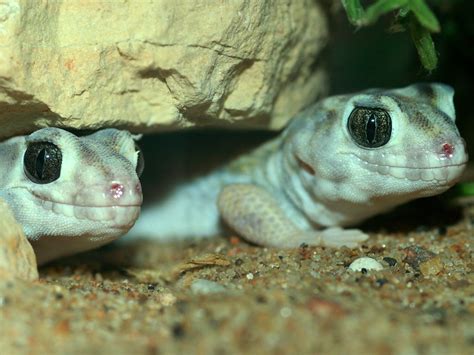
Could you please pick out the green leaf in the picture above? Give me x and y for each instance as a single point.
(354, 10)
(421, 37)
(424, 15)
(380, 8)
(466, 189)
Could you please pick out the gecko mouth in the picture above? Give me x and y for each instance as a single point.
(441, 175)
(120, 217)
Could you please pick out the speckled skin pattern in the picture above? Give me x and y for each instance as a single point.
(314, 179)
(96, 198)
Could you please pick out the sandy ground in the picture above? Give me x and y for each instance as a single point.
(224, 296)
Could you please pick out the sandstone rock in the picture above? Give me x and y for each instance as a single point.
(17, 258)
(157, 65)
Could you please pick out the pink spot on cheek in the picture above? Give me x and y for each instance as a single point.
(117, 190)
(448, 150)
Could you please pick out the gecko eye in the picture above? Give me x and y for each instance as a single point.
(42, 162)
(370, 127)
(140, 160)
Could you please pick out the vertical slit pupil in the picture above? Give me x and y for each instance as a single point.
(371, 128)
(40, 163)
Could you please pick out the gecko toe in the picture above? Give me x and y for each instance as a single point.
(338, 237)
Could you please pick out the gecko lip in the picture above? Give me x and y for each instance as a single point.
(443, 175)
(134, 203)
(119, 217)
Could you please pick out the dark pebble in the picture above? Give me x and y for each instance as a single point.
(4, 301)
(178, 330)
(238, 262)
(415, 255)
(390, 261)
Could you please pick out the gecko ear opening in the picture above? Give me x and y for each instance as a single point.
(445, 95)
(442, 95)
(140, 165)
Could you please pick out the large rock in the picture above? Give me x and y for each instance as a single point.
(155, 65)
(17, 258)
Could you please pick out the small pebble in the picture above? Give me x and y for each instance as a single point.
(415, 255)
(178, 330)
(238, 262)
(365, 263)
(285, 312)
(390, 261)
(432, 266)
(205, 287)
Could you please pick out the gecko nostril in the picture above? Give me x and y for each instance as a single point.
(117, 190)
(447, 150)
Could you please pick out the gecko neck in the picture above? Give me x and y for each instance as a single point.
(275, 177)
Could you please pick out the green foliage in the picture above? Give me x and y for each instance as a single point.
(414, 15)
(466, 189)
(423, 14)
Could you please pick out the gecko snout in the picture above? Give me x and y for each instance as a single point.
(117, 190)
(138, 188)
(452, 149)
(123, 192)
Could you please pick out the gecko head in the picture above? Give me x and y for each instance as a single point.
(72, 193)
(385, 146)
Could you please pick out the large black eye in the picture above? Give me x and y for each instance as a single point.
(140, 161)
(370, 127)
(42, 162)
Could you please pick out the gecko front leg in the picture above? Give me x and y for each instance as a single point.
(255, 214)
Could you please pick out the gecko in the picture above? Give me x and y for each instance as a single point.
(70, 193)
(342, 160)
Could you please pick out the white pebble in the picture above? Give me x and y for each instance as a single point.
(365, 263)
(285, 312)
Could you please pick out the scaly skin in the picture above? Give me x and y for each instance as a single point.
(326, 171)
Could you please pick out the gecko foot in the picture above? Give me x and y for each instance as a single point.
(339, 237)
(334, 237)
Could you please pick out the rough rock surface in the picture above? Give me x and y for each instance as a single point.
(158, 65)
(17, 258)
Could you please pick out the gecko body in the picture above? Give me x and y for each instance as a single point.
(339, 162)
(71, 193)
